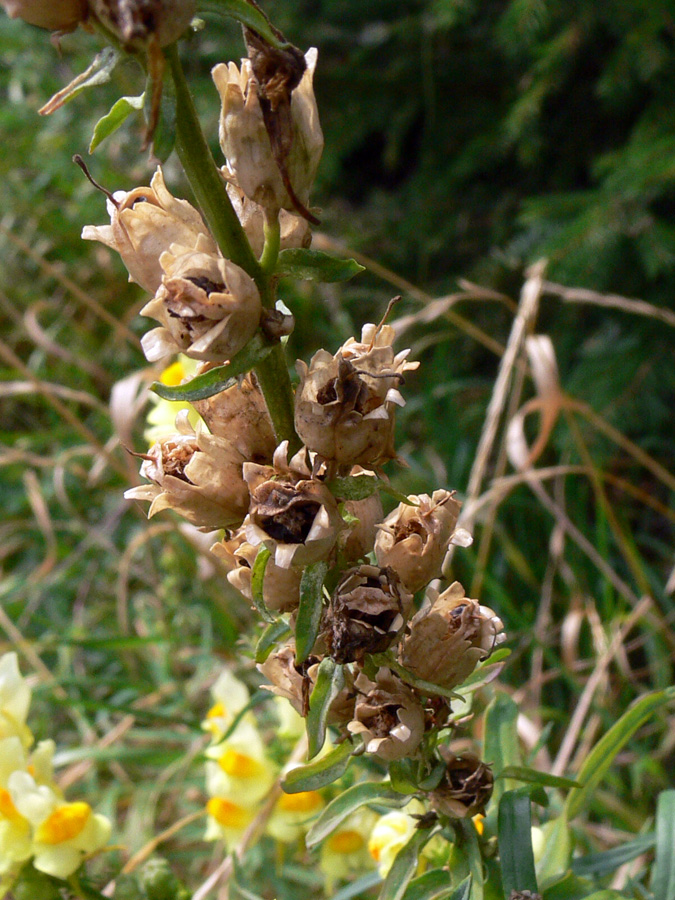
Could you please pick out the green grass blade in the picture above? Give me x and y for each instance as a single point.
(515, 844)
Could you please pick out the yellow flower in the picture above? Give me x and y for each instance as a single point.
(161, 420)
(63, 833)
(345, 852)
(293, 814)
(15, 832)
(14, 700)
(227, 820)
(391, 832)
(230, 696)
(238, 768)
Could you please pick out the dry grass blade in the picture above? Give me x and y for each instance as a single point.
(612, 301)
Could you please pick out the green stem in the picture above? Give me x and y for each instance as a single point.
(206, 181)
(275, 383)
(211, 195)
(270, 254)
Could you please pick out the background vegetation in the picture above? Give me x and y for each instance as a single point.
(464, 140)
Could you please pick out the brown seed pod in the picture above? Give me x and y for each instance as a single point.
(465, 787)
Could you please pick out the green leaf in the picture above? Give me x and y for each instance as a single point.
(472, 852)
(532, 776)
(118, 114)
(315, 265)
(405, 865)
(663, 875)
(275, 632)
(434, 778)
(602, 755)
(345, 804)
(435, 885)
(309, 609)
(557, 851)
(358, 887)
(330, 680)
(608, 895)
(353, 487)
(247, 14)
(426, 687)
(219, 379)
(98, 72)
(515, 844)
(596, 865)
(403, 776)
(321, 772)
(500, 747)
(257, 582)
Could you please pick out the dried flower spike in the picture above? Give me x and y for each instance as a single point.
(414, 538)
(388, 715)
(448, 637)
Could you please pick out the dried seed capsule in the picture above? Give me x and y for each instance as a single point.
(388, 715)
(465, 788)
(295, 231)
(448, 637)
(366, 613)
(144, 223)
(136, 21)
(208, 307)
(196, 474)
(414, 538)
(344, 404)
(62, 16)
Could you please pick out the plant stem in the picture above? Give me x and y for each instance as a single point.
(270, 253)
(206, 181)
(211, 195)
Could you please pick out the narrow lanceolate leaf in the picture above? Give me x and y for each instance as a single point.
(405, 865)
(309, 609)
(219, 379)
(164, 136)
(118, 114)
(321, 772)
(353, 487)
(315, 265)
(515, 844)
(557, 850)
(663, 876)
(403, 776)
(435, 885)
(597, 865)
(257, 582)
(330, 680)
(602, 755)
(245, 13)
(532, 776)
(99, 72)
(345, 804)
(500, 747)
(274, 633)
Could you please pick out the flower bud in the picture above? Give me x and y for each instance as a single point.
(240, 415)
(135, 22)
(62, 16)
(196, 474)
(413, 539)
(465, 787)
(296, 683)
(388, 715)
(293, 514)
(449, 637)
(295, 231)
(208, 307)
(344, 404)
(366, 613)
(245, 142)
(281, 587)
(144, 223)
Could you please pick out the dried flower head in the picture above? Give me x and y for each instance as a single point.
(388, 715)
(296, 683)
(344, 404)
(413, 539)
(196, 474)
(62, 16)
(366, 613)
(240, 415)
(362, 516)
(293, 514)
(281, 587)
(246, 144)
(144, 223)
(465, 788)
(448, 637)
(208, 307)
(135, 22)
(295, 231)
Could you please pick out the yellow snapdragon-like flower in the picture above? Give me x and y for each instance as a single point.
(63, 833)
(227, 820)
(345, 852)
(392, 832)
(293, 814)
(14, 700)
(16, 844)
(161, 420)
(230, 696)
(238, 768)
